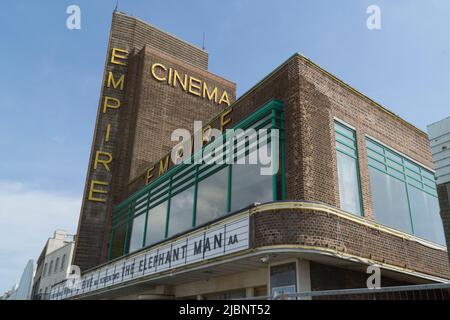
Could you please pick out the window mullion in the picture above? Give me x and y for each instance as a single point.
(194, 210)
(169, 199)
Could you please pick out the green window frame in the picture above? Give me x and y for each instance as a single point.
(183, 176)
(394, 164)
(414, 176)
(347, 146)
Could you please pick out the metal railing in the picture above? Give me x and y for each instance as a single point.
(413, 292)
(42, 296)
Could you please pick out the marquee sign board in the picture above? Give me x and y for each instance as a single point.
(223, 239)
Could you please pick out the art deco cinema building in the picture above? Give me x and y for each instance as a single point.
(354, 186)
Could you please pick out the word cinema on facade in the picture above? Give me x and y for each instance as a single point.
(350, 184)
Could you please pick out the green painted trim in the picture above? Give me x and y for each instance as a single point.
(402, 180)
(157, 203)
(146, 220)
(405, 164)
(213, 171)
(169, 200)
(358, 175)
(194, 210)
(344, 130)
(351, 135)
(345, 143)
(283, 158)
(230, 181)
(243, 124)
(346, 153)
(411, 220)
(407, 179)
(127, 231)
(274, 177)
(185, 187)
(162, 189)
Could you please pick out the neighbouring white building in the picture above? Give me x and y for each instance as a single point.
(439, 133)
(9, 293)
(22, 290)
(54, 264)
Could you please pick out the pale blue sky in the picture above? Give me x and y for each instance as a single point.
(51, 76)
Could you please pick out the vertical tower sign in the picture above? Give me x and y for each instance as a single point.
(153, 83)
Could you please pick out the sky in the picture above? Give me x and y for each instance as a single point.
(51, 76)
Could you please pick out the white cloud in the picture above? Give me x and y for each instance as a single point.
(28, 217)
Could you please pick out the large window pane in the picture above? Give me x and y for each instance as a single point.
(348, 184)
(390, 201)
(176, 188)
(426, 218)
(212, 197)
(137, 233)
(156, 224)
(249, 186)
(181, 210)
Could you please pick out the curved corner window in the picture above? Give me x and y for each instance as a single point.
(194, 194)
(181, 209)
(212, 197)
(248, 186)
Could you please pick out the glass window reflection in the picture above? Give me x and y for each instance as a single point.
(156, 224)
(390, 201)
(181, 212)
(348, 184)
(137, 233)
(212, 197)
(426, 217)
(249, 186)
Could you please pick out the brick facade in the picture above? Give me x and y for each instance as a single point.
(312, 99)
(140, 129)
(159, 109)
(329, 233)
